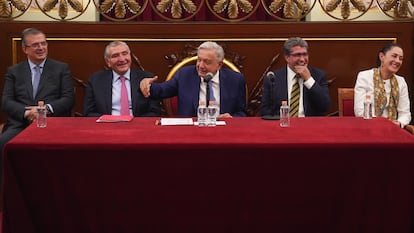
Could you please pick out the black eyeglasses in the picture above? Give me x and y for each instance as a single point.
(37, 45)
(297, 55)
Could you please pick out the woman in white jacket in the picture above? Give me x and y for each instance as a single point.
(388, 91)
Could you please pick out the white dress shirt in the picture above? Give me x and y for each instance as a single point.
(215, 83)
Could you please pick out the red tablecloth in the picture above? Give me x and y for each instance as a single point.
(320, 175)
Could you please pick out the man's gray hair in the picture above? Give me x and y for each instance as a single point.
(29, 31)
(292, 42)
(213, 45)
(114, 44)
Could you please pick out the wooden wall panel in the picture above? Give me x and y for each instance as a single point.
(342, 49)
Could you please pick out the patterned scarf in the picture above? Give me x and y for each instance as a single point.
(380, 96)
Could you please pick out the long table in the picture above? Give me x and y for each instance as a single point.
(322, 174)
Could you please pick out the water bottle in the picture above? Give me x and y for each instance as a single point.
(212, 114)
(41, 120)
(284, 115)
(367, 107)
(202, 114)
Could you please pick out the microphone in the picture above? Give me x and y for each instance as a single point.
(207, 79)
(271, 76)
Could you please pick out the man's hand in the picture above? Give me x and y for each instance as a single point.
(303, 71)
(31, 113)
(145, 85)
(225, 115)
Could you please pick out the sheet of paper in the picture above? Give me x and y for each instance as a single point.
(217, 123)
(176, 121)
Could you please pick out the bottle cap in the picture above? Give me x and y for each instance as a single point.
(40, 103)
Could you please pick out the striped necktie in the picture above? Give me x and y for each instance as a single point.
(295, 97)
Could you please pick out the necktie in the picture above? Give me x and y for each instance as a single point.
(209, 92)
(124, 98)
(212, 98)
(294, 98)
(36, 79)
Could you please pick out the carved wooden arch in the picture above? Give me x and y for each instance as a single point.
(192, 59)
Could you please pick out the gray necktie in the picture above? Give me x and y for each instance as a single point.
(36, 79)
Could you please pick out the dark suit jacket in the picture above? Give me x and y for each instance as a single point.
(55, 88)
(186, 86)
(316, 101)
(98, 96)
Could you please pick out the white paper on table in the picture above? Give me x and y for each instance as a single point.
(176, 121)
(217, 123)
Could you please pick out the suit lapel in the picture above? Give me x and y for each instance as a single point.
(107, 90)
(196, 91)
(281, 84)
(134, 86)
(27, 74)
(44, 77)
(223, 93)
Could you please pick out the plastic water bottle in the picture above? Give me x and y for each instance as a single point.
(41, 115)
(284, 115)
(367, 107)
(202, 114)
(212, 114)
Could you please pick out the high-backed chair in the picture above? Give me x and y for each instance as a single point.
(170, 104)
(346, 101)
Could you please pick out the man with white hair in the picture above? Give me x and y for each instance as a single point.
(228, 88)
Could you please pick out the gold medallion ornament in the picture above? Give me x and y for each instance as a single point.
(288, 10)
(120, 10)
(233, 10)
(10, 9)
(62, 9)
(176, 10)
(346, 9)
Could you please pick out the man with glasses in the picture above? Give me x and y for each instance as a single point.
(37, 78)
(305, 88)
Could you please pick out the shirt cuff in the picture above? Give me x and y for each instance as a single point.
(309, 83)
(49, 109)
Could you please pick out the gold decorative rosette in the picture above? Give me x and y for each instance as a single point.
(120, 10)
(10, 9)
(176, 10)
(346, 9)
(288, 10)
(232, 10)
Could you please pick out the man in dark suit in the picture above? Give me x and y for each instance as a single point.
(104, 90)
(228, 87)
(20, 95)
(313, 94)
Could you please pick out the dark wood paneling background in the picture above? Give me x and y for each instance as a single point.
(340, 48)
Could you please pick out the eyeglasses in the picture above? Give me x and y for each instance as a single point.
(297, 55)
(37, 45)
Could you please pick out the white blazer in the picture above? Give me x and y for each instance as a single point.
(365, 84)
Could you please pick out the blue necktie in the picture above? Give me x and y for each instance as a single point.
(36, 79)
(210, 85)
